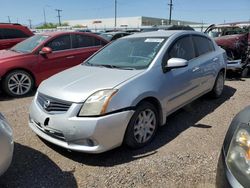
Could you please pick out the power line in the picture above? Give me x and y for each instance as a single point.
(170, 12)
(59, 16)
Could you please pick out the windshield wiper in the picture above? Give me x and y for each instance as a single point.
(110, 66)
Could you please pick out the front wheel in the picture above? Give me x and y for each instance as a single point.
(18, 83)
(218, 85)
(142, 126)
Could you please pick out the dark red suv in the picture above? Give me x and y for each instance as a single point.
(29, 62)
(11, 34)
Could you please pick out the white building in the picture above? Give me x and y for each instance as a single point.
(123, 22)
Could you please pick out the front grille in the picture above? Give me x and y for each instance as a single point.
(51, 104)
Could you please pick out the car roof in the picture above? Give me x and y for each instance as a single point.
(56, 33)
(115, 32)
(161, 33)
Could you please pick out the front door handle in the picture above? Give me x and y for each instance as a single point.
(215, 59)
(70, 57)
(196, 69)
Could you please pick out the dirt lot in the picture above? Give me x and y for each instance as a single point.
(184, 154)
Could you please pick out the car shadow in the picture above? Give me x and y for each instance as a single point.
(31, 168)
(176, 124)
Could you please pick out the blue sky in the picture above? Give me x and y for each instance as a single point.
(208, 11)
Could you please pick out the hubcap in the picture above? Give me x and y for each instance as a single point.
(145, 125)
(220, 84)
(19, 84)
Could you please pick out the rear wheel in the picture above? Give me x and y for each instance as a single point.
(218, 85)
(142, 126)
(18, 83)
(244, 72)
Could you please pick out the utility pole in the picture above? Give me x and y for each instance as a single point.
(170, 12)
(9, 19)
(59, 16)
(30, 23)
(115, 12)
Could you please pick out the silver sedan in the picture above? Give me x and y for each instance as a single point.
(123, 93)
(6, 144)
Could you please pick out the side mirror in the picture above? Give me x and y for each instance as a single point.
(176, 63)
(45, 50)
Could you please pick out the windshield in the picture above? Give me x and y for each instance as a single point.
(29, 44)
(129, 53)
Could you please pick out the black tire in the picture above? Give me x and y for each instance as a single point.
(18, 83)
(216, 92)
(244, 72)
(130, 139)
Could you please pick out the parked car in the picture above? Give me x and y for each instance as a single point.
(235, 39)
(6, 144)
(11, 34)
(110, 36)
(125, 91)
(30, 62)
(167, 27)
(235, 158)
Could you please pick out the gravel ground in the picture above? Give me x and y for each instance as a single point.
(185, 152)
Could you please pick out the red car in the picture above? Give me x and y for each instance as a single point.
(28, 63)
(11, 34)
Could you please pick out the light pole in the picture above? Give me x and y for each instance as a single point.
(30, 23)
(170, 12)
(115, 12)
(9, 19)
(44, 14)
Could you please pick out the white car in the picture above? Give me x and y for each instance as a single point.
(6, 144)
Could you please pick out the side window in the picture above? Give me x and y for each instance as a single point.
(1, 34)
(13, 33)
(97, 42)
(81, 41)
(117, 36)
(60, 43)
(203, 45)
(183, 48)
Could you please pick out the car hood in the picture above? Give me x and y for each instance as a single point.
(78, 83)
(8, 54)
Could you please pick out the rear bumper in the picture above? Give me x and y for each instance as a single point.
(235, 66)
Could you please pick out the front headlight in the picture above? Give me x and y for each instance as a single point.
(238, 156)
(97, 103)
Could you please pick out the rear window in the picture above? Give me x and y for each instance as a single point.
(13, 33)
(81, 41)
(203, 45)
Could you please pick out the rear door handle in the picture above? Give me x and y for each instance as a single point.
(70, 57)
(196, 69)
(215, 59)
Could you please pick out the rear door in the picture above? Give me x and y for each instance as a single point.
(84, 46)
(206, 61)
